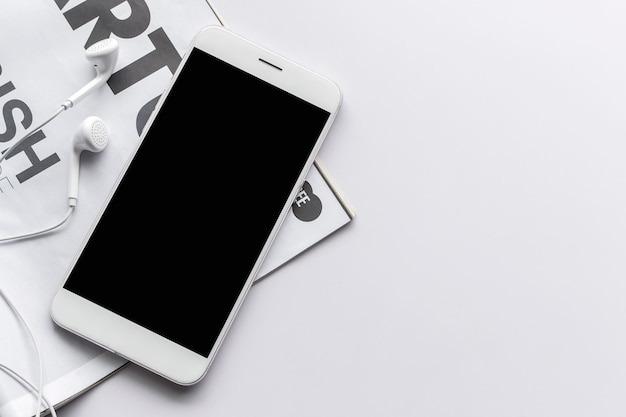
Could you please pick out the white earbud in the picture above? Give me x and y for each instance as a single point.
(93, 136)
(103, 56)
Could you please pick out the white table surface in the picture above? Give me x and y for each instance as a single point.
(483, 147)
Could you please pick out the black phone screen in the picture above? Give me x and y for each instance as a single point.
(183, 229)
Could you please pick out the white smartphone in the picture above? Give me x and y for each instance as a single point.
(171, 256)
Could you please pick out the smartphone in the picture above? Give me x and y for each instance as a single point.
(171, 256)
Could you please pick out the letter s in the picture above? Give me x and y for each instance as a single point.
(7, 114)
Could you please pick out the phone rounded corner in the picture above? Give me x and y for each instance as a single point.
(56, 307)
(339, 93)
(193, 380)
(212, 28)
(187, 375)
(333, 93)
(52, 313)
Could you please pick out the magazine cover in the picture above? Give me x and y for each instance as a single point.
(42, 63)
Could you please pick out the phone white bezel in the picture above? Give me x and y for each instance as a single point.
(132, 341)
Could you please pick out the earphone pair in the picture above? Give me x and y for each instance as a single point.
(92, 134)
(103, 56)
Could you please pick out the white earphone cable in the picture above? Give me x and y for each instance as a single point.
(42, 231)
(16, 376)
(31, 132)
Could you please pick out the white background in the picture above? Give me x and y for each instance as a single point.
(482, 145)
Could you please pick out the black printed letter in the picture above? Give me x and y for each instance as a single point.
(164, 55)
(38, 165)
(107, 23)
(7, 113)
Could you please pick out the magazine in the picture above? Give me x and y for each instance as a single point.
(42, 62)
